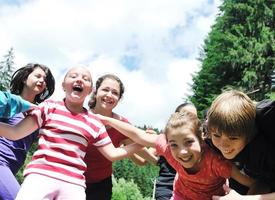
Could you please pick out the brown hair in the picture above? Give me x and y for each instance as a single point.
(184, 119)
(92, 101)
(232, 113)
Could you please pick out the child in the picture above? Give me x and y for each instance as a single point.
(165, 180)
(108, 92)
(66, 128)
(237, 132)
(33, 83)
(200, 172)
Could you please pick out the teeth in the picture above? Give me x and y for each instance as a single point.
(186, 159)
(227, 151)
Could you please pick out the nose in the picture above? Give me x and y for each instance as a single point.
(42, 80)
(109, 93)
(183, 151)
(224, 142)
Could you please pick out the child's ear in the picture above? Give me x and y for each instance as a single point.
(63, 87)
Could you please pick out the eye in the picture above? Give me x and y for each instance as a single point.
(216, 135)
(87, 79)
(173, 145)
(188, 142)
(72, 75)
(234, 138)
(115, 93)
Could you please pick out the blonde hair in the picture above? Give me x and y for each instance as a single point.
(184, 119)
(232, 113)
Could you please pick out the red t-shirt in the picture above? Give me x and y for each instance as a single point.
(99, 167)
(205, 183)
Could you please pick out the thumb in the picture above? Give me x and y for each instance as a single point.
(226, 188)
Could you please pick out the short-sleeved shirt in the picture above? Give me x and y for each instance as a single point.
(13, 153)
(99, 167)
(205, 183)
(63, 140)
(11, 104)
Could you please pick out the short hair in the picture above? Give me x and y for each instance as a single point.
(92, 101)
(184, 119)
(232, 113)
(181, 106)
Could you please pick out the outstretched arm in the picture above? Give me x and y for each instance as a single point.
(20, 130)
(143, 156)
(114, 154)
(11, 104)
(137, 135)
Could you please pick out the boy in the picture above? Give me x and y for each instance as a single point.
(237, 133)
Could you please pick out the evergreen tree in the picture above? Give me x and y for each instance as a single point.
(6, 70)
(238, 52)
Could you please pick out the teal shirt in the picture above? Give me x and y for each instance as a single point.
(11, 104)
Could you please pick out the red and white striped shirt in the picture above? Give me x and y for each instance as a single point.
(63, 139)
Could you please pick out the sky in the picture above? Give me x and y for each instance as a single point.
(152, 45)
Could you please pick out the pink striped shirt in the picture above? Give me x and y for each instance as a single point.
(63, 139)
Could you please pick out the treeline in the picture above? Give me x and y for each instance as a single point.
(238, 52)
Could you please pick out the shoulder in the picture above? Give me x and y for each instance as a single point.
(120, 117)
(161, 145)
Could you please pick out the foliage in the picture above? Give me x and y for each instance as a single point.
(6, 70)
(19, 175)
(142, 176)
(126, 190)
(238, 53)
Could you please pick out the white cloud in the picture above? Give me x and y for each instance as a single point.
(164, 37)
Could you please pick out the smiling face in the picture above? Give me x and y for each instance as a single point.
(183, 136)
(108, 94)
(77, 85)
(230, 146)
(185, 147)
(34, 84)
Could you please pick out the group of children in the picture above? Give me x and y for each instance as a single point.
(236, 147)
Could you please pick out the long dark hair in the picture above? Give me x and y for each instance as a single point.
(21, 75)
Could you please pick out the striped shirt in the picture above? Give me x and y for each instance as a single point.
(63, 139)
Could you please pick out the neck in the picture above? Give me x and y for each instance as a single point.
(28, 96)
(75, 108)
(102, 111)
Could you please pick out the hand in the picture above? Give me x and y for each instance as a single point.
(229, 194)
(150, 131)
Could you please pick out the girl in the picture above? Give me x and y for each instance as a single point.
(109, 90)
(200, 172)
(165, 180)
(34, 83)
(66, 128)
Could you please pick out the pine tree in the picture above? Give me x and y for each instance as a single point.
(6, 70)
(239, 52)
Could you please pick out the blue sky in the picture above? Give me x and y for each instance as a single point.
(152, 45)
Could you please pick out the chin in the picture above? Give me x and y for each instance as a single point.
(231, 156)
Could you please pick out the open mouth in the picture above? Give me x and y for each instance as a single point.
(77, 88)
(186, 159)
(227, 151)
(107, 101)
